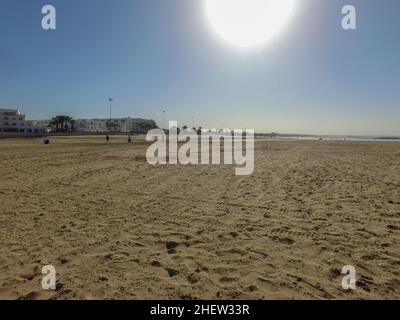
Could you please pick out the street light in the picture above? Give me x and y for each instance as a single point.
(164, 120)
(110, 100)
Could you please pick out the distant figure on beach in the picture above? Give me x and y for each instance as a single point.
(46, 141)
(129, 138)
(107, 138)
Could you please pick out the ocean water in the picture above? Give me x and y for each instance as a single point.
(333, 137)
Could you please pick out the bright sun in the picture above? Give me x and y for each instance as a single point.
(248, 23)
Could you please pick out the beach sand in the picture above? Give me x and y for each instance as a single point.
(115, 227)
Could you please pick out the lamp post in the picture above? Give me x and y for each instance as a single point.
(163, 124)
(110, 100)
(109, 125)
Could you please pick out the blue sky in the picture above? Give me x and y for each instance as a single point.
(154, 55)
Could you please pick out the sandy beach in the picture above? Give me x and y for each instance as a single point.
(117, 228)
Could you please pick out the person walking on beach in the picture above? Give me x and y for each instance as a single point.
(107, 138)
(129, 138)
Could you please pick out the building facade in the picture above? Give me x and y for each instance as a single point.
(126, 125)
(41, 126)
(12, 120)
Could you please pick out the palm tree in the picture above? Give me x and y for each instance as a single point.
(68, 123)
(55, 124)
(62, 123)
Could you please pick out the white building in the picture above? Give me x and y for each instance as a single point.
(12, 120)
(41, 126)
(126, 125)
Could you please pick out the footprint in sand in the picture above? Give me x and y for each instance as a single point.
(171, 246)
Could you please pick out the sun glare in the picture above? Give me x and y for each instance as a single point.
(248, 23)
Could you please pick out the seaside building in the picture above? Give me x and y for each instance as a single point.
(135, 125)
(12, 120)
(41, 126)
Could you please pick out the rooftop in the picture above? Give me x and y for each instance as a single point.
(9, 110)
